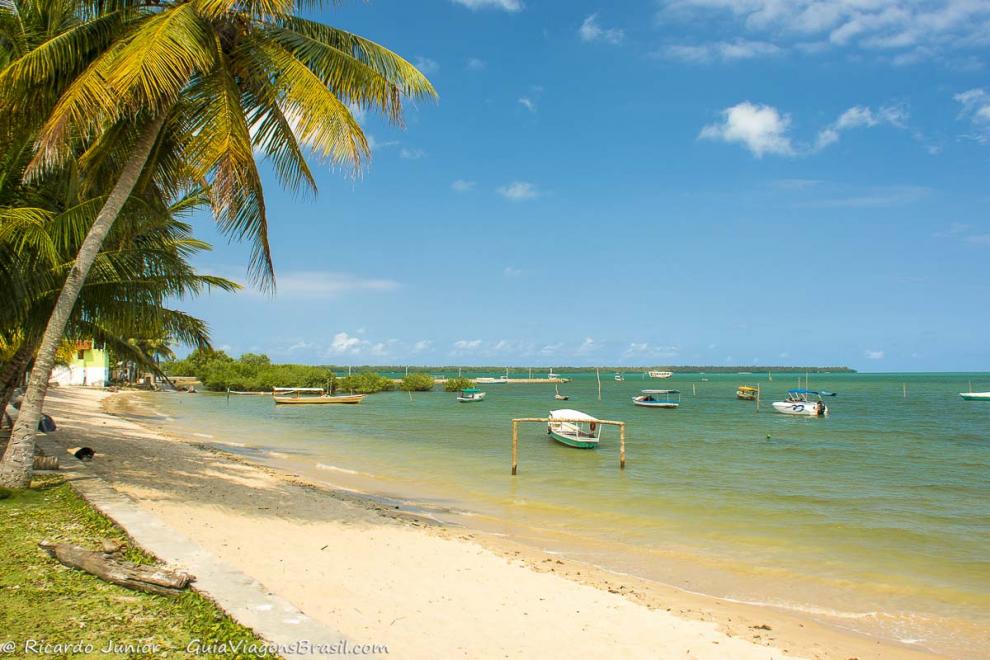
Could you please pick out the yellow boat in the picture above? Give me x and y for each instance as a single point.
(746, 393)
(294, 395)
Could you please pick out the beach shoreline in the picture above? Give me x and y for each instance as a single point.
(764, 629)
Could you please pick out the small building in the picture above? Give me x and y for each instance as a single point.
(89, 366)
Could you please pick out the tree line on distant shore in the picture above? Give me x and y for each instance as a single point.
(252, 372)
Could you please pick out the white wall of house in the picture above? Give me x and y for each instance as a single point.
(95, 376)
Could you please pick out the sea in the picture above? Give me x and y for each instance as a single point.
(874, 519)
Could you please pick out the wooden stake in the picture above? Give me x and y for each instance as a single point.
(598, 375)
(694, 392)
(622, 446)
(905, 390)
(515, 446)
(757, 397)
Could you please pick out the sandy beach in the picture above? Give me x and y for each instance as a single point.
(384, 576)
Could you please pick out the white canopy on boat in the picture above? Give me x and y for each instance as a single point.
(576, 415)
(297, 389)
(660, 391)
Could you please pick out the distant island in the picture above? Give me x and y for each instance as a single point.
(710, 369)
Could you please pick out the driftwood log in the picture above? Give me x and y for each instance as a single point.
(106, 566)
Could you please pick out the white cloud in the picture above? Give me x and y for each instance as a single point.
(551, 349)
(590, 31)
(644, 350)
(463, 185)
(900, 31)
(760, 128)
(475, 64)
(409, 153)
(976, 108)
(978, 239)
(344, 344)
(527, 103)
(467, 344)
(587, 346)
(422, 345)
(724, 51)
(509, 271)
(322, 285)
(375, 145)
(876, 197)
(503, 5)
(519, 191)
(874, 355)
(425, 64)
(861, 116)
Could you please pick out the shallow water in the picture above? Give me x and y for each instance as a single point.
(876, 518)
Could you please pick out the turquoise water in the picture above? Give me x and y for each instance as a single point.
(876, 518)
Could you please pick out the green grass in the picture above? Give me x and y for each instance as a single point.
(44, 600)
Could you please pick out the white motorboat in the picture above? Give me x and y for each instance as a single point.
(658, 399)
(660, 374)
(802, 402)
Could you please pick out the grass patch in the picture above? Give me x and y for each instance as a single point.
(44, 600)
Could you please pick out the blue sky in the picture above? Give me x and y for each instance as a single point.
(647, 182)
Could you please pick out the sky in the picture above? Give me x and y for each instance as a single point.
(647, 182)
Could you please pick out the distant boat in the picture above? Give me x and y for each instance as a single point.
(238, 393)
(581, 430)
(311, 395)
(660, 374)
(619, 377)
(470, 395)
(558, 396)
(658, 399)
(746, 393)
(975, 396)
(802, 402)
(487, 380)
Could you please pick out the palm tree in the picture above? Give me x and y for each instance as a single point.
(144, 263)
(208, 82)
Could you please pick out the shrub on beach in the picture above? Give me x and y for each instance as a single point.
(457, 384)
(251, 373)
(417, 383)
(366, 382)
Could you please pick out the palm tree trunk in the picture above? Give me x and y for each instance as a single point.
(16, 465)
(13, 372)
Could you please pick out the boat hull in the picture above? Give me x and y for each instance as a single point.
(319, 400)
(470, 399)
(570, 441)
(975, 396)
(746, 397)
(656, 404)
(800, 408)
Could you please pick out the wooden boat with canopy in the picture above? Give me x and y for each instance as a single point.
(746, 393)
(311, 395)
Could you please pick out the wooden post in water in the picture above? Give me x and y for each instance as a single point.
(515, 446)
(694, 392)
(622, 446)
(598, 375)
(905, 390)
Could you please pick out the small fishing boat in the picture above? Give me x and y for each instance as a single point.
(975, 396)
(660, 374)
(658, 398)
(619, 377)
(239, 393)
(802, 402)
(470, 395)
(311, 395)
(487, 380)
(558, 396)
(746, 393)
(579, 430)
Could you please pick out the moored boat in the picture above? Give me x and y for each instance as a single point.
(575, 428)
(802, 402)
(619, 377)
(311, 396)
(975, 396)
(557, 395)
(470, 395)
(660, 374)
(658, 399)
(746, 393)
